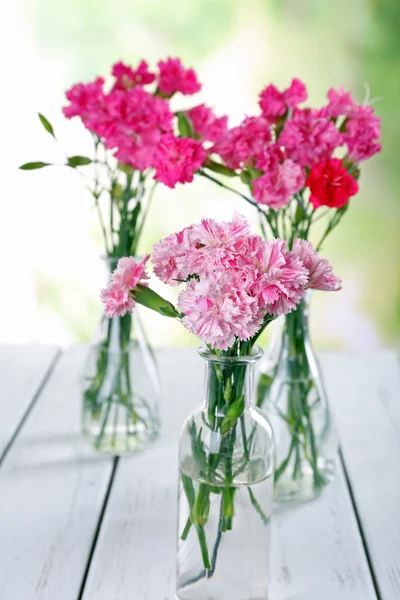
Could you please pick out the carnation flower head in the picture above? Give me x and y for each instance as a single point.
(331, 184)
(309, 137)
(320, 273)
(362, 133)
(341, 103)
(245, 143)
(87, 101)
(218, 310)
(166, 255)
(282, 179)
(126, 77)
(215, 245)
(173, 77)
(295, 93)
(177, 159)
(138, 120)
(206, 124)
(274, 103)
(281, 277)
(117, 301)
(129, 273)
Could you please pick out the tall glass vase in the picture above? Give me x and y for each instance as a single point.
(291, 391)
(226, 464)
(121, 387)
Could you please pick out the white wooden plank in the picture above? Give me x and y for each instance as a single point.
(366, 400)
(51, 494)
(22, 371)
(317, 552)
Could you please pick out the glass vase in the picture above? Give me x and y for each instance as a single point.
(121, 387)
(226, 462)
(291, 392)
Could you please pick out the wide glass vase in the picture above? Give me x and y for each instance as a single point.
(291, 391)
(121, 388)
(226, 462)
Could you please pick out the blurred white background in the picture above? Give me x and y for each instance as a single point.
(49, 240)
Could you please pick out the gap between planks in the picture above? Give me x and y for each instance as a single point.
(49, 371)
(98, 527)
(360, 527)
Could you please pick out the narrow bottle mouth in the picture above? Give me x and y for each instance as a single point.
(256, 354)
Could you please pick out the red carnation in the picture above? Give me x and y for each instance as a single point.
(330, 184)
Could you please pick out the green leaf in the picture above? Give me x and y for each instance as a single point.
(245, 177)
(228, 391)
(78, 161)
(265, 519)
(47, 125)
(255, 173)
(127, 169)
(232, 414)
(236, 408)
(149, 298)
(218, 168)
(299, 215)
(185, 125)
(135, 214)
(34, 165)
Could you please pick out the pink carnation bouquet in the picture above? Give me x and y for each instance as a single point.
(300, 168)
(300, 164)
(234, 285)
(139, 139)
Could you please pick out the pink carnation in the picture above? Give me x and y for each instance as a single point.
(177, 159)
(126, 77)
(128, 274)
(215, 245)
(362, 133)
(281, 277)
(166, 255)
(309, 137)
(217, 309)
(137, 121)
(320, 273)
(88, 102)
(130, 271)
(280, 181)
(295, 93)
(274, 103)
(206, 125)
(173, 77)
(244, 144)
(341, 103)
(117, 301)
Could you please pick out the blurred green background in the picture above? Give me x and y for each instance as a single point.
(51, 239)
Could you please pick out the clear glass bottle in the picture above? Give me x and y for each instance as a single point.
(292, 393)
(226, 462)
(121, 387)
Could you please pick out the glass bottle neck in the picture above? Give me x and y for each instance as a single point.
(229, 389)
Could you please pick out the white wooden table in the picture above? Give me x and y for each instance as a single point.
(78, 526)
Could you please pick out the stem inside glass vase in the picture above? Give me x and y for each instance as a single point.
(296, 403)
(122, 387)
(226, 469)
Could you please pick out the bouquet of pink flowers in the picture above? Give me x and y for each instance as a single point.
(138, 141)
(301, 167)
(137, 137)
(235, 284)
(295, 160)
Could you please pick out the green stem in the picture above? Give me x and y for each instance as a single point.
(226, 187)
